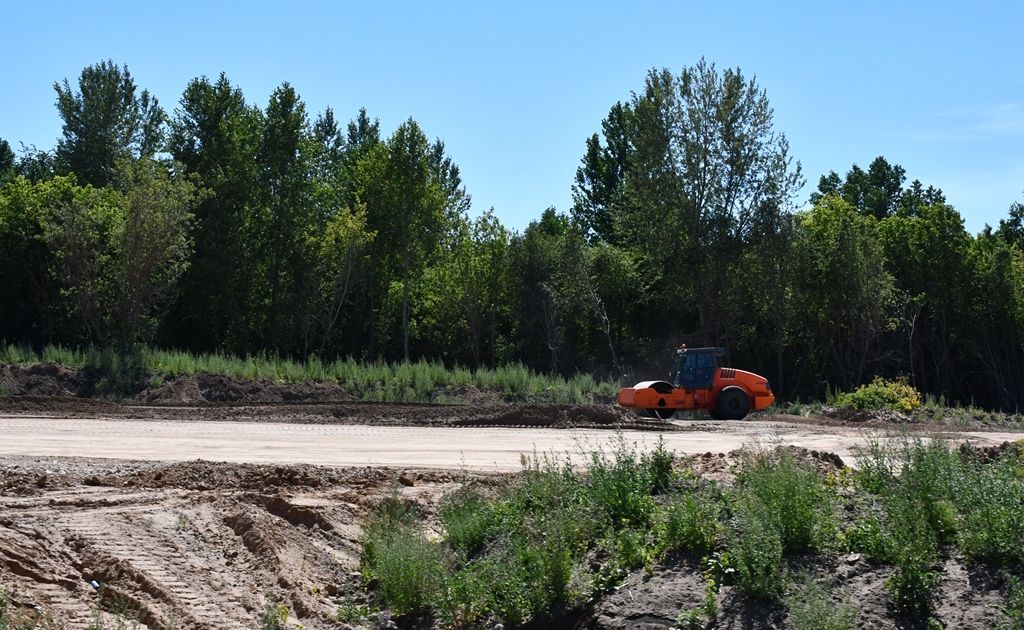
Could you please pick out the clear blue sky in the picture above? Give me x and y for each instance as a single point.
(515, 88)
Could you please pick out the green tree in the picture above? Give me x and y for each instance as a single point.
(34, 164)
(215, 135)
(121, 249)
(539, 328)
(843, 296)
(31, 309)
(690, 173)
(413, 193)
(287, 210)
(1012, 228)
(927, 252)
(993, 339)
(339, 251)
(105, 121)
(6, 160)
(463, 306)
(879, 191)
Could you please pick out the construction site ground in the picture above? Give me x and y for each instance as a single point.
(203, 515)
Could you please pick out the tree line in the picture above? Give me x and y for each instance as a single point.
(225, 226)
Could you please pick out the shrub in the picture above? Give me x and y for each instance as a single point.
(992, 521)
(867, 536)
(755, 549)
(397, 557)
(408, 571)
(913, 585)
(275, 616)
(469, 522)
(691, 524)
(620, 486)
(881, 394)
(796, 501)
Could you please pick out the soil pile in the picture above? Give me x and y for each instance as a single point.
(41, 380)
(211, 388)
(194, 545)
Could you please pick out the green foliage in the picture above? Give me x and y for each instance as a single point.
(105, 121)
(120, 249)
(421, 381)
(275, 616)
(691, 523)
(353, 612)
(811, 607)
(406, 567)
(913, 585)
(932, 496)
(520, 552)
(795, 499)
(469, 522)
(1014, 609)
(844, 294)
(755, 549)
(991, 525)
(623, 483)
(881, 394)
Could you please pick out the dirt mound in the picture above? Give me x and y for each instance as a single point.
(986, 454)
(654, 599)
(722, 467)
(41, 380)
(213, 388)
(193, 545)
(204, 475)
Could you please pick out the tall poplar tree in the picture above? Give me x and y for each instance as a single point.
(105, 120)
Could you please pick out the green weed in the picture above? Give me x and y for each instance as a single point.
(794, 499)
(691, 523)
(704, 616)
(469, 521)
(397, 557)
(811, 607)
(755, 549)
(275, 616)
(1014, 609)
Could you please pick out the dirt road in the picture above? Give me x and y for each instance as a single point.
(494, 448)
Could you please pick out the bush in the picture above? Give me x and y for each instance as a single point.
(913, 585)
(691, 524)
(408, 571)
(469, 522)
(755, 549)
(620, 487)
(397, 557)
(796, 501)
(881, 394)
(992, 521)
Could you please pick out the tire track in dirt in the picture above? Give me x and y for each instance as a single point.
(187, 545)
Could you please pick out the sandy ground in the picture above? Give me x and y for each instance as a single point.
(497, 448)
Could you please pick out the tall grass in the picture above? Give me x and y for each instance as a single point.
(416, 381)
